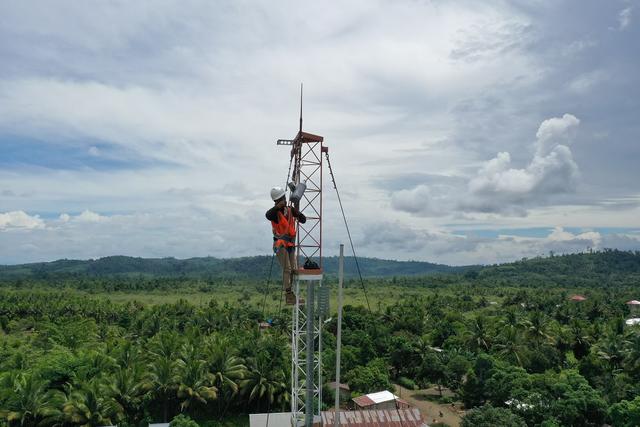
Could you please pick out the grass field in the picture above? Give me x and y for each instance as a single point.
(255, 296)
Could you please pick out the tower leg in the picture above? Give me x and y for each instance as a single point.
(308, 420)
(305, 391)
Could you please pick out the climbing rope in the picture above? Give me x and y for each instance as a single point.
(266, 291)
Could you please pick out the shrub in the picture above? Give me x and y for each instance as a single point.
(182, 420)
(407, 383)
(488, 416)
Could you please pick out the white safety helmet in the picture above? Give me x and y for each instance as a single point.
(277, 193)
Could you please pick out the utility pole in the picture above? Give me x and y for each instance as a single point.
(339, 337)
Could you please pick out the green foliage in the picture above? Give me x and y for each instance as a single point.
(86, 405)
(625, 413)
(433, 369)
(493, 337)
(370, 378)
(457, 366)
(27, 401)
(183, 421)
(567, 397)
(576, 402)
(208, 362)
(488, 416)
(407, 383)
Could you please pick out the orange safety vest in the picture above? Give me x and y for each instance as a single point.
(284, 231)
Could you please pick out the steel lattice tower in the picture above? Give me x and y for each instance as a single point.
(306, 361)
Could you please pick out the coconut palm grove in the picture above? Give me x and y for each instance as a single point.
(506, 343)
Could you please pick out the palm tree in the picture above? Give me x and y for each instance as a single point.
(96, 364)
(632, 354)
(511, 319)
(561, 340)
(72, 334)
(580, 340)
(166, 344)
(227, 368)
(208, 321)
(195, 383)
(128, 354)
(265, 384)
(611, 349)
(128, 390)
(28, 402)
(163, 381)
(509, 345)
(88, 407)
(536, 327)
(478, 335)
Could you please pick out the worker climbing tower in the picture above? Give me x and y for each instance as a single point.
(306, 367)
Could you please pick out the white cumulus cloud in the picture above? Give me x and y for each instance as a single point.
(499, 186)
(560, 235)
(20, 220)
(89, 216)
(554, 131)
(415, 242)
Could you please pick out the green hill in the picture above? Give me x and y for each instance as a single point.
(256, 267)
(604, 268)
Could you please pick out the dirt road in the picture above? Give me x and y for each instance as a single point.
(431, 410)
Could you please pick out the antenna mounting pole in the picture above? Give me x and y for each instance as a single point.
(300, 107)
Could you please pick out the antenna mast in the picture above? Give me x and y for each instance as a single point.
(300, 130)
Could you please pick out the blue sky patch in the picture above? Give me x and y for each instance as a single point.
(19, 152)
(540, 232)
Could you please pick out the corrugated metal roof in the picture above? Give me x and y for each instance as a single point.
(376, 418)
(373, 398)
(402, 402)
(382, 396)
(276, 419)
(363, 401)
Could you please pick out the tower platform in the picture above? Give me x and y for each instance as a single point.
(308, 274)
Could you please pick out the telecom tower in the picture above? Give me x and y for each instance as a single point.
(306, 346)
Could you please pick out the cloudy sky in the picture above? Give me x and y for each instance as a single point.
(460, 132)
